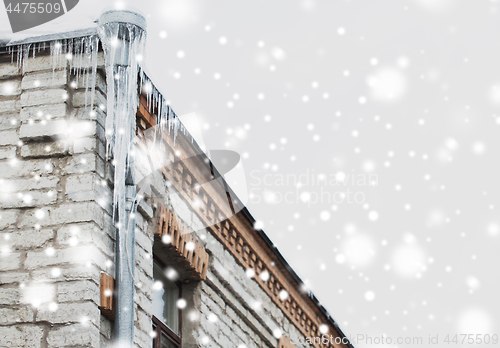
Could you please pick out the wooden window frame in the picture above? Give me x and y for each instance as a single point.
(161, 328)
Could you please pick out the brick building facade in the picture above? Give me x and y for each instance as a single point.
(203, 276)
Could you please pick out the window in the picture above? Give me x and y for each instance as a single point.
(166, 315)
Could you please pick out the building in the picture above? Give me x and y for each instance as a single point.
(100, 245)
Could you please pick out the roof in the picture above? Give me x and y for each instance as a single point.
(52, 37)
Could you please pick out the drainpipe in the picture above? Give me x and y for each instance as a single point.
(125, 264)
(120, 60)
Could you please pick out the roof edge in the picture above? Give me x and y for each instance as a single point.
(52, 37)
(294, 275)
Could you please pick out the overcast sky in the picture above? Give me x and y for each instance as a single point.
(369, 136)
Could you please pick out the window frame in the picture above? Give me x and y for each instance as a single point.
(160, 328)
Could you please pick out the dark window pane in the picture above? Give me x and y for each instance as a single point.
(166, 343)
(165, 296)
(153, 337)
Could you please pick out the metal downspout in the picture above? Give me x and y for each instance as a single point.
(125, 235)
(125, 264)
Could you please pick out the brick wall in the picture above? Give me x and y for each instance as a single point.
(57, 234)
(229, 309)
(55, 227)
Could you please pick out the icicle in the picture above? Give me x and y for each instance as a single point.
(82, 53)
(121, 77)
(25, 53)
(93, 50)
(166, 118)
(55, 53)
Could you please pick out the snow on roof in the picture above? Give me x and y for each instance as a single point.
(52, 37)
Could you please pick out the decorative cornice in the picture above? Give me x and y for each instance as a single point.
(184, 244)
(285, 342)
(237, 234)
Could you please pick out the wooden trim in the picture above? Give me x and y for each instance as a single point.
(145, 119)
(179, 286)
(107, 296)
(159, 326)
(160, 329)
(238, 236)
(285, 342)
(196, 260)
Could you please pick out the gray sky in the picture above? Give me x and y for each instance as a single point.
(400, 93)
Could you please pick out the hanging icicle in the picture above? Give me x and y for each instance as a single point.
(123, 43)
(81, 52)
(167, 119)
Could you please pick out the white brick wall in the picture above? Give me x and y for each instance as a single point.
(9, 137)
(8, 70)
(10, 87)
(43, 97)
(43, 111)
(28, 336)
(44, 79)
(245, 312)
(53, 246)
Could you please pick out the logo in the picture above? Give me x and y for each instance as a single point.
(25, 15)
(218, 171)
